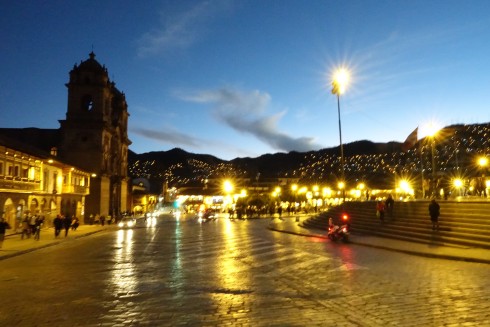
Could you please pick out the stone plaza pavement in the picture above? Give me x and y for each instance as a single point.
(14, 245)
(462, 253)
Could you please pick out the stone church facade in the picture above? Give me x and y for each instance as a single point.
(95, 136)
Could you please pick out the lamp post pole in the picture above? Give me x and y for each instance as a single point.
(434, 183)
(342, 168)
(339, 83)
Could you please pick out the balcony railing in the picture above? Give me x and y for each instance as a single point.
(75, 189)
(9, 182)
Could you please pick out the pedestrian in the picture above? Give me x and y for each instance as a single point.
(3, 228)
(390, 203)
(32, 224)
(380, 211)
(67, 224)
(434, 212)
(58, 225)
(26, 229)
(74, 223)
(38, 224)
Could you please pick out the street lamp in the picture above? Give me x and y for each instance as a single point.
(433, 129)
(483, 162)
(339, 84)
(228, 188)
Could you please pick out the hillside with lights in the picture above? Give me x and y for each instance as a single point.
(457, 149)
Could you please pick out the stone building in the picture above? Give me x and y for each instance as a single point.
(33, 182)
(93, 137)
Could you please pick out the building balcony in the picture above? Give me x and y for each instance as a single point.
(18, 183)
(76, 189)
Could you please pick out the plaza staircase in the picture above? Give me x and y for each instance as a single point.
(462, 224)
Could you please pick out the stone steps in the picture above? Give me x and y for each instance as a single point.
(461, 223)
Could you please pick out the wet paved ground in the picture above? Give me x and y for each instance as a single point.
(235, 273)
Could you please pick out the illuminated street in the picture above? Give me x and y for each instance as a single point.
(235, 273)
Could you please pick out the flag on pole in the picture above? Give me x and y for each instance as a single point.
(411, 140)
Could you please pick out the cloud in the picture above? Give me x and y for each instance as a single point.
(181, 140)
(169, 137)
(245, 113)
(180, 31)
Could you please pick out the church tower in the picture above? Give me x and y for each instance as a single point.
(95, 136)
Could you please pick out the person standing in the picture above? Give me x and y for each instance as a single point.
(67, 224)
(3, 228)
(38, 224)
(380, 210)
(32, 224)
(390, 203)
(74, 223)
(26, 229)
(58, 225)
(434, 212)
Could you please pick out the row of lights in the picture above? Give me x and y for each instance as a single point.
(340, 80)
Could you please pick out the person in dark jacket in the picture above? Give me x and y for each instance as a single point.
(58, 225)
(3, 228)
(67, 224)
(434, 212)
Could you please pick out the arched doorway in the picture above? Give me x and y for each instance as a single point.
(9, 212)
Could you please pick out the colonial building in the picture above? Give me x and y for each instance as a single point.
(93, 137)
(37, 183)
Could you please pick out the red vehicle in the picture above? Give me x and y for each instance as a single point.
(336, 232)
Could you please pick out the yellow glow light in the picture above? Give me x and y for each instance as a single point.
(341, 79)
(227, 186)
(483, 161)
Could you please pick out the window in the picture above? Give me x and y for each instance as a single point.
(87, 102)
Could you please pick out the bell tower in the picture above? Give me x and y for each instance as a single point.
(94, 136)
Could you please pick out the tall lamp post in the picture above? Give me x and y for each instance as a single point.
(482, 184)
(432, 133)
(339, 84)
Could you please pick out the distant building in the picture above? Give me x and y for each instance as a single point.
(93, 136)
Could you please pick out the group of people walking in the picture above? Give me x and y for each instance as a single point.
(31, 225)
(388, 204)
(65, 222)
(385, 206)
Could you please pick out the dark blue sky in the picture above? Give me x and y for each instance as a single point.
(244, 78)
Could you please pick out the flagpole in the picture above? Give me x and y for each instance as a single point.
(419, 150)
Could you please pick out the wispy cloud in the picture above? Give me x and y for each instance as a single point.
(177, 139)
(170, 137)
(182, 30)
(246, 113)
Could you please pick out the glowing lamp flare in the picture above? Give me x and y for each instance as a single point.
(340, 81)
